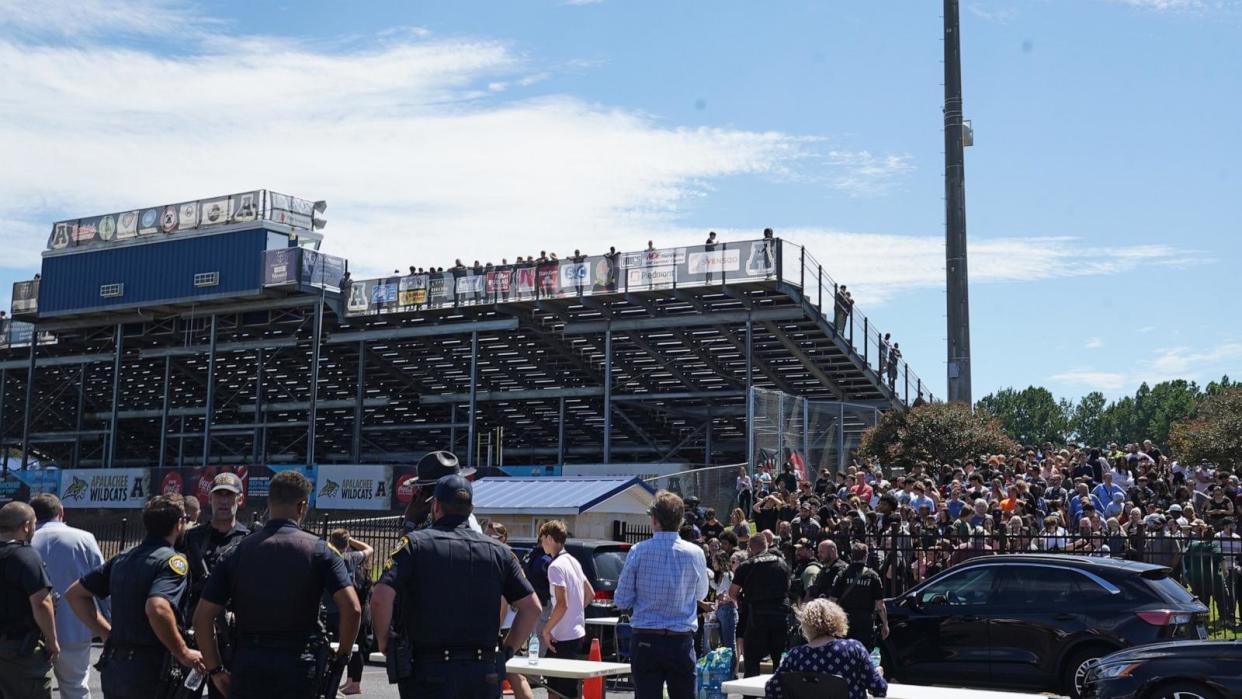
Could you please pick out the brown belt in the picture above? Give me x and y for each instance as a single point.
(662, 632)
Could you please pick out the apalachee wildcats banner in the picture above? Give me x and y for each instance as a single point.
(104, 487)
(353, 487)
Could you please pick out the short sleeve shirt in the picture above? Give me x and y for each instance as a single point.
(565, 572)
(24, 575)
(150, 569)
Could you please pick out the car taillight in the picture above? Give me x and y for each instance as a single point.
(1165, 617)
(603, 598)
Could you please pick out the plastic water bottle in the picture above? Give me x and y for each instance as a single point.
(194, 680)
(532, 650)
(875, 657)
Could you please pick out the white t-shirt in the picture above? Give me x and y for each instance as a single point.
(566, 572)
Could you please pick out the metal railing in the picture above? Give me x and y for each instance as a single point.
(799, 267)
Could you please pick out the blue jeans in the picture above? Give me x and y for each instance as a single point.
(659, 660)
(726, 616)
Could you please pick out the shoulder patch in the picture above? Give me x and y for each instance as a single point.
(179, 564)
(333, 549)
(388, 563)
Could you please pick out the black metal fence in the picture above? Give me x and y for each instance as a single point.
(381, 533)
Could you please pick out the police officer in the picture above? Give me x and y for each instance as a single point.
(204, 546)
(146, 584)
(27, 616)
(860, 592)
(764, 577)
(443, 572)
(274, 579)
(431, 468)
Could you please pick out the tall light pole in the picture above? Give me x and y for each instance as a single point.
(958, 285)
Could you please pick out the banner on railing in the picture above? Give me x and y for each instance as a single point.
(353, 487)
(105, 487)
(196, 481)
(20, 486)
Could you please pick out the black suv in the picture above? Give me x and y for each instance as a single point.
(601, 562)
(1033, 621)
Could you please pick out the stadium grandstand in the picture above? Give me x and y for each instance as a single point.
(216, 332)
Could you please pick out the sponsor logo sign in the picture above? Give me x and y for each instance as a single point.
(715, 261)
(126, 225)
(106, 487)
(650, 276)
(214, 212)
(667, 256)
(575, 274)
(353, 487)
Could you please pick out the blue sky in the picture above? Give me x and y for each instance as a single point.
(1102, 190)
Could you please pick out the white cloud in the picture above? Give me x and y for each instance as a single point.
(583, 2)
(406, 140)
(877, 266)
(1185, 362)
(993, 13)
(862, 174)
(1182, 6)
(82, 18)
(1092, 380)
(1094, 343)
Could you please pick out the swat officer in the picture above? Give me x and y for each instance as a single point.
(443, 572)
(860, 592)
(274, 579)
(146, 584)
(27, 616)
(204, 546)
(431, 468)
(765, 579)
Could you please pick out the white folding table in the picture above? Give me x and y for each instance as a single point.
(753, 687)
(566, 669)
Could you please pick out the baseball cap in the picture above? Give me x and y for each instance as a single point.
(226, 481)
(450, 487)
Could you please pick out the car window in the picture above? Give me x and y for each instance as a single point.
(608, 563)
(968, 588)
(1044, 585)
(1171, 591)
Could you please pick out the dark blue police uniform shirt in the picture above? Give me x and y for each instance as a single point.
(448, 571)
(150, 569)
(275, 578)
(24, 575)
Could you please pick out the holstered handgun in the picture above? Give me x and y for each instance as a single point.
(332, 673)
(399, 658)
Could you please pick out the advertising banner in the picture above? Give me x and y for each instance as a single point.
(605, 274)
(653, 258)
(62, 236)
(104, 487)
(441, 288)
(26, 296)
(279, 268)
(127, 225)
(471, 286)
(353, 487)
(260, 477)
(149, 221)
(760, 258)
(319, 269)
(86, 230)
(412, 291)
(20, 486)
(244, 207)
(575, 274)
(359, 295)
(187, 215)
(715, 261)
(402, 493)
(647, 277)
(196, 481)
(213, 212)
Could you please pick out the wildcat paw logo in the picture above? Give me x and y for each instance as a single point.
(329, 489)
(76, 490)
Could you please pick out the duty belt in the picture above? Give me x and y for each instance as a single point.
(455, 653)
(274, 641)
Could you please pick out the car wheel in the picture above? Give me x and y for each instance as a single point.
(1182, 690)
(1077, 667)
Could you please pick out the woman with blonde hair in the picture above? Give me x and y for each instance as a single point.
(824, 624)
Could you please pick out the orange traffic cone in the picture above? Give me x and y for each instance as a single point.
(594, 687)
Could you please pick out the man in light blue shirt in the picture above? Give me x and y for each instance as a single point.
(68, 554)
(663, 580)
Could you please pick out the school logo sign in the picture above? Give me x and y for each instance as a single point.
(105, 487)
(354, 487)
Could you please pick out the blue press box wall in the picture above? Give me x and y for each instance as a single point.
(154, 273)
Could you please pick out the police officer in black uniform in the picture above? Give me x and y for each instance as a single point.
(204, 546)
(860, 592)
(146, 584)
(764, 577)
(27, 618)
(274, 579)
(443, 573)
(431, 468)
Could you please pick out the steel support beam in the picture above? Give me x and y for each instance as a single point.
(750, 397)
(118, 350)
(211, 395)
(560, 432)
(359, 395)
(77, 445)
(164, 409)
(810, 365)
(30, 377)
(682, 321)
(273, 343)
(608, 392)
(316, 342)
(427, 330)
(474, 397)
(71, 360)
(4, 387)
(259, 450)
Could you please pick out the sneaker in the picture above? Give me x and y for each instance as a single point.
(351, 688)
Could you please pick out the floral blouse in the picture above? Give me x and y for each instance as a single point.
(845, 657)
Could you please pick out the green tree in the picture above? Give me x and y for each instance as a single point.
(1086, 419)
(934, 433)
(1031, 416)
(1214, 432)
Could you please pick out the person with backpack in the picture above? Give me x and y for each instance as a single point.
(356, 554)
